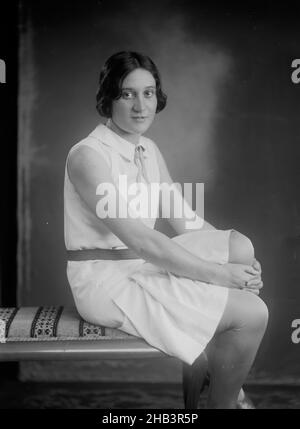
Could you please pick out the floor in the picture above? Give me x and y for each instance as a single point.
(17, 395)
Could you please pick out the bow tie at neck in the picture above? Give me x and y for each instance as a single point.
(139, 160)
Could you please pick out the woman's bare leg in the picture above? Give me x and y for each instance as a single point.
(193, 378)
(240, 251)
(233, 349)
(230, 354)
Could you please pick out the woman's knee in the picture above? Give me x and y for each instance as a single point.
(244, 310)
(241, 250)
(256, 313)
(260, 312)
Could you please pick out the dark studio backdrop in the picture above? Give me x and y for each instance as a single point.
(232, 122)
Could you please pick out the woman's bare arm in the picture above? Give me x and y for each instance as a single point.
(87, 169)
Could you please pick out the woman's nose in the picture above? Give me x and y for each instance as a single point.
(139, 104)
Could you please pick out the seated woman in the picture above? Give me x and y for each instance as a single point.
(192, 296)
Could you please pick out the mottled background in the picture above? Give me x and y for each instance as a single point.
(232, 122)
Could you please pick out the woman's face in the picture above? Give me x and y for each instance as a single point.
(134, 111)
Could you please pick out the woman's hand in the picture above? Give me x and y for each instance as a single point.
(239, 276)
(256, 265)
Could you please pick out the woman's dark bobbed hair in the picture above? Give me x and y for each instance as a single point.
(114, 71)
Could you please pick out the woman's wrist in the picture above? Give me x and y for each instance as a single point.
(213, 272)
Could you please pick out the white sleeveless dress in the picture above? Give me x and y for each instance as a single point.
(172, 313)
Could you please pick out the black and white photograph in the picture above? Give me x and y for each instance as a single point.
(150, 245)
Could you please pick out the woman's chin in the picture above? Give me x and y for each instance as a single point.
(140, 129)
(140, 126)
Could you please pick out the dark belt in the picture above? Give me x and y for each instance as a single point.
(94, 254)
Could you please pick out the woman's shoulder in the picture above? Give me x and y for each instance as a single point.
(97, 139)
(85, 152)
(87, 143)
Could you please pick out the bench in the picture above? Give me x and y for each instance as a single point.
(59, 333)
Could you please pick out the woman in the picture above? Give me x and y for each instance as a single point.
(191, 296)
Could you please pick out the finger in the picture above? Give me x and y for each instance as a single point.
(255, 291)
(250, 289)
(250, 270)
(255, 286)
(255, 282)
(256, 265)
(253, 279)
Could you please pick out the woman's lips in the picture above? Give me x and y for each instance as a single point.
(139, 118)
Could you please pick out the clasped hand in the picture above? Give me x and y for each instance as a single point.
(246, 277)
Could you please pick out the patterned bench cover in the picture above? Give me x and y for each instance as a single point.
(50, 324)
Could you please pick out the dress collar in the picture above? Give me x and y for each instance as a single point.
(118, 143)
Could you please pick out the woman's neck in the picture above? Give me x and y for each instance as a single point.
(131, 138)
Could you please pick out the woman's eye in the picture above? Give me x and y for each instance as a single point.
(127, 95)
(149, 93)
